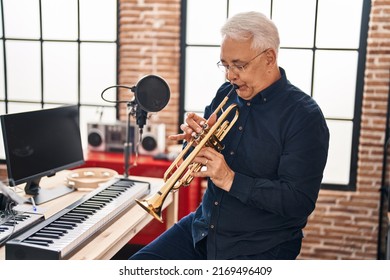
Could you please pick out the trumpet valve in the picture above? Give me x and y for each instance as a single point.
(199, 136)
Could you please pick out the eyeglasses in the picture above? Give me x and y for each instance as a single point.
(237, 68)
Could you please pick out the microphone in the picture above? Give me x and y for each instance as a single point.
(152, 94)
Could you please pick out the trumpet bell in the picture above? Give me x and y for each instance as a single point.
(156, 213)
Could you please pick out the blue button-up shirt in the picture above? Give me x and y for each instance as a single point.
(278, 150)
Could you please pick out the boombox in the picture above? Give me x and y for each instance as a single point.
(111, 137)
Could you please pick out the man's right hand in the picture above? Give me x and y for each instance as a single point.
(194, 125)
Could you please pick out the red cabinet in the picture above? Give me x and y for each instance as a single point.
(189, 197)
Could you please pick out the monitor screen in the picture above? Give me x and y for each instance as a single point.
(41, 143)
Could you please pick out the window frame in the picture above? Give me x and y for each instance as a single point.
(42, 102)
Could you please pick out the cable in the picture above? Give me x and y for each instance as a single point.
(9, 215)
(116, 86)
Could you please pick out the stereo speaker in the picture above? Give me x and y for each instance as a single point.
(153, 140)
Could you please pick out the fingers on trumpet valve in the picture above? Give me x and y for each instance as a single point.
(197, 135)
(203, 125)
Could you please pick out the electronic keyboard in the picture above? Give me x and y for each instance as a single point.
(64, 233)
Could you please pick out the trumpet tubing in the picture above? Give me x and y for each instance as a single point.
(179, 172)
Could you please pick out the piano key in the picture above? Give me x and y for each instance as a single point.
(80, 208)
(60, 221)
(121, 189)
(36, 242)
(95, 203)
(63, 226)
(54, 232)
(124, 183)
(70, 219)
(106, 195)
(103, 199)
(56, 229)
(49, 235)
(89, 206)
(39, 239)
(82, 211)
(75, 214)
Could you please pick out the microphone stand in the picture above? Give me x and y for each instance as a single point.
(128, 145)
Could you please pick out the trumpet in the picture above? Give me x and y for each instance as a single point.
(179, 172)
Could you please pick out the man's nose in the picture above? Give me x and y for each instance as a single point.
(230, 75)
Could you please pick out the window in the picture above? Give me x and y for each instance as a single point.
(322, 53)
(57, 52)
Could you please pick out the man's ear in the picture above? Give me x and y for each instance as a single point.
(271, 57)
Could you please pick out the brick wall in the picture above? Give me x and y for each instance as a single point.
(149, 35)
(344, 224)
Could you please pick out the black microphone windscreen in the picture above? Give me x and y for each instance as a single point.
(152, 93)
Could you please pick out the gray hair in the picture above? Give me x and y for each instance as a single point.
(247, 25)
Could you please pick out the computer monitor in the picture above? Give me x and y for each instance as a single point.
(41, 143)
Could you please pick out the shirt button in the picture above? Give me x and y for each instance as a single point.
(216, 203)
(231, 153)
(202, 234)
(212, 226)
(240, 128)
(248, 104)
(265, 99)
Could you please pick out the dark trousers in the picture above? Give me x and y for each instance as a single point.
(176, 244)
